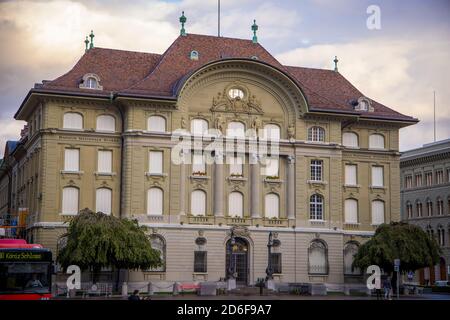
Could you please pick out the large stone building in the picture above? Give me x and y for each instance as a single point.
(425, 197)
(101, 136)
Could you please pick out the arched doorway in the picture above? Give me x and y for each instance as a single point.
(442, 269)
(240, 259)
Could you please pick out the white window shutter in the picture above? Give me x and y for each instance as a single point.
(272, 206)
(236, 165)
(350, 139)
(71, 159)
(103, 200)
(236, 129)
(70, 199)
(198, 163)
(377, 176)
(377, 212)
(156, 124)
(104, 161)
(198, 203)
(106, 123)
(351, 211)
(350, 175)
(156, 162)
(376, 141)
(155, 200)
(236, 204)
(73, 120)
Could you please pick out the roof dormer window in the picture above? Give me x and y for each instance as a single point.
(364, 104)
(193, 55)
(91, 81)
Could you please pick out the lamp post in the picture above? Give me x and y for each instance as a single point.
(269, 269)
(231, 271)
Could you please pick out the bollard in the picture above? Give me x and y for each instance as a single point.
(150, 289)
(124, 289)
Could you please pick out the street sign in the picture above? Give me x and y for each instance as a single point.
(397, 262)
(396, 268)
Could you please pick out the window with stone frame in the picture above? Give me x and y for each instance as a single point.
(440, 207)
(428, 179)
(418, 179)
(419, 209)
(408, 182)
(429, 208)
(409, 210)
(275, 258)
(317, 258)
(158, 243)
(316, 134)
(316, 169)
(439, 176)
(200, 261)
(316, 207)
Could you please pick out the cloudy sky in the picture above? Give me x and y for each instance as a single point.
(400, 64)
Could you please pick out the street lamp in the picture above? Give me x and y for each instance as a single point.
(269, 269)
(231, 263)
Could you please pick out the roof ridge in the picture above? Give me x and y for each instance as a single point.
(122, 50)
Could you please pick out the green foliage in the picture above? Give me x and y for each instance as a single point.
(398, 240)
(98, 240)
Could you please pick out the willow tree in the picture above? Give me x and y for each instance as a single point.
(398, 240)
(96, 240)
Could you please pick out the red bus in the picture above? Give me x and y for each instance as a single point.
(25, 271)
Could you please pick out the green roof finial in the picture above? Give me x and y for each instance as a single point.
(254, 28)
(182, 21)
(92, 39)
(335, 63)
(86, 42)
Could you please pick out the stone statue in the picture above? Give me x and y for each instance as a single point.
(220, 124)
(256, 124)
(291, 132)
(183, 123)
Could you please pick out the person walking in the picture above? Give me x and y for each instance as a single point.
(134, 296)
(387, 288)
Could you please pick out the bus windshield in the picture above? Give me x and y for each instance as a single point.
(24, 277)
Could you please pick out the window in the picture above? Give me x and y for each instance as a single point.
(409, 210)
(106, 123)
(271, 132)
(200, 261)
(155, 200)
(104, 161)
(236, 129)
(351, 211)
(275, 258)
(377, 176)
(103, 200)
(316, 134)
(158, 243)
(429, 208)
(156, 124)
(70, 199)
(236, 93)
(428, 178)
(236, 166)
(155, 165)
(441, 236)
(418, 179)
(350, 139)
(272, 206)
(350, 250)
(448, 175)
(439, 177)
(351, 175)
(317, 258)
(73, 120)
(316, 207)
(408, 182)
(271, 168)
(193, 55)
(236, 204)
(72, 160)
(377, 212)
(440, 207)
(199, 126)
(198, 164)
(376, 141)
(198, 203)
(91, 83)
(316, 170)
(419, 209)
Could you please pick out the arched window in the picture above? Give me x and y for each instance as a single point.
(409, 210)
(236, 129)
(376, 141)
(199, 126)
(317, 258)
(351, 211)
(377, 212)
(159, 244)
(316, 134)
(272, 206)
(351, 248)
(429, 207)
(91, 83)
(316, 207)
(103, 200)
(441, 235)
(271, 132)
(198, 203)
(106, 123)
(236, 204)
(70, 200)
(73, 120)
(419, 208)
(350, 139)
(155, 201)
(156, 124)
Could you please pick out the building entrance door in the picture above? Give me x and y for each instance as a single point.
(239, 258)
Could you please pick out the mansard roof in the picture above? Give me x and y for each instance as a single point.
(156, 76)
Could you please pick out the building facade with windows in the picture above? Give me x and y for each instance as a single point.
(107, 136)
(425, 197)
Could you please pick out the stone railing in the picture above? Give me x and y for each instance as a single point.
(239, 221)
(275, 222)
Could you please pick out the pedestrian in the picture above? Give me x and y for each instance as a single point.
(387, 288)
(134, 296)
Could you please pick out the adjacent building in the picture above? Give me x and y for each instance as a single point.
(425, 197)
(104, 136)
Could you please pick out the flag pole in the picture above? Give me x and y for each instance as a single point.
(434, 114)
(218, 20)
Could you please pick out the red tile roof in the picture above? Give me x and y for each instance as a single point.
(148, 74)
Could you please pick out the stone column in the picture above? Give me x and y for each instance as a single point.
(183, 185)
(218, 185)
(255, 181)
(291, 187)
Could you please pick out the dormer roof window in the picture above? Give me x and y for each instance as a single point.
(364, 104)
(91, 81)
